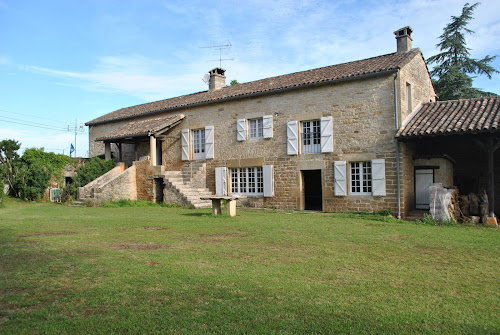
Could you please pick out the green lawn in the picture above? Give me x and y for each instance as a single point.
(175, 270)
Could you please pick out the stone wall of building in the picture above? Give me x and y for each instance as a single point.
(145, 179)
(363, 129)
(416, 74)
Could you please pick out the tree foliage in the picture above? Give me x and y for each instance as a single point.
(92, 169)
(8, 161)
(234, 82)
(454, 64)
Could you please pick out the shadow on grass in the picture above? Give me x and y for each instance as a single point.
(201, 214)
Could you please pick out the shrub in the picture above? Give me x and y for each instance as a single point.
(430, 221)
(93, 168)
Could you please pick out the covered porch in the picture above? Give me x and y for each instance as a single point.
(456, 142)
(139, 140)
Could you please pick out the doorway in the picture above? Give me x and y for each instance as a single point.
(424, 178)
(159, 186)
(312, 189)
(158, 153)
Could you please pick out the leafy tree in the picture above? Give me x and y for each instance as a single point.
(32, 179)
(234, 82)
(54, 163)
(8, 160)
(454, 65)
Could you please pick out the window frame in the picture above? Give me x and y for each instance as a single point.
(247, 181)
(199, 143)
(363, 176)
(255, 128)
(312, 135)
(409, 105)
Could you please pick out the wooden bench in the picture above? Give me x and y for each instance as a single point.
(216, 202)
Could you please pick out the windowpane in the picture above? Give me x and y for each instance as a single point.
(256, 129)
(311, 136)
(247, 180)
(361, 177)
(198, 143)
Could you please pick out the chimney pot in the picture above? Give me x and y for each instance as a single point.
(403, 39)
(217, 79)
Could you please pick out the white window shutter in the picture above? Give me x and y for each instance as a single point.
(326, 134)
(292, 140)
(268, 174)
(340, 172)
(378, 177)
(221, 181)
(267, 125)
(185, 144)
(241, 129)
(209, 142)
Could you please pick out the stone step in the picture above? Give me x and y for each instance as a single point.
(181, 181)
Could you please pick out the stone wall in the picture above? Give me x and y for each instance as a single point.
(121, 187)
(145, 179)
(363, 129)
(87, 191)
(416, 74)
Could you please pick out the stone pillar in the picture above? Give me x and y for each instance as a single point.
(107, 150)
(152, 150)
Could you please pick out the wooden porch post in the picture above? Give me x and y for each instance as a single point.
(490, 145)
(120, 158)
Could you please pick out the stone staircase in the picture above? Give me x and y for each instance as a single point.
(185, 187)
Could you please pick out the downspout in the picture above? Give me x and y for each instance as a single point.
(398, 177)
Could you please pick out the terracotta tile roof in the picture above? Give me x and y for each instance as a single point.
(351, 70)
(143, 127)
(454, 117)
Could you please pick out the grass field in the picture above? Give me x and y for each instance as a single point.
(174, 270)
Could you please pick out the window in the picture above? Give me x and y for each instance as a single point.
(198, 143)
(361, 178)
(247, 181)
(256, 129)
(408, 98)
(311, 137)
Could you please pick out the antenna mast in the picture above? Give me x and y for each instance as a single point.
(220, 47)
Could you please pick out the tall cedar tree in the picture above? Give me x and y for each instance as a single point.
(8, 162)
(454, 64)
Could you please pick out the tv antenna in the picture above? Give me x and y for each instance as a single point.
(220, 47)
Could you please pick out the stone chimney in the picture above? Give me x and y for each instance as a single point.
(217, 79)
(403, 39)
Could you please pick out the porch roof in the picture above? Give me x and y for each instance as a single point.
(142, 128)
(465, 116)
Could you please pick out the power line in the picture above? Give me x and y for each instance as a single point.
(4, 111)
(30, 122)
(36, 126)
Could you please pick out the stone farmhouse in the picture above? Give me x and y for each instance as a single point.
(337, 138)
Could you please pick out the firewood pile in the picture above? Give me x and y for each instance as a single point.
(472, 208)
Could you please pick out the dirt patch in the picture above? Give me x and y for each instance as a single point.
(150, 263)
(222, 235)
(140, 246)
(398, 238)
(154, 228)
(48, 233)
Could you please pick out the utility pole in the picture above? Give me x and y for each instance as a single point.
(76, 130)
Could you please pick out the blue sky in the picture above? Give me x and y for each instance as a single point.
(64, 61)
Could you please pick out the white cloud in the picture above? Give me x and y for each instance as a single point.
(134, 76)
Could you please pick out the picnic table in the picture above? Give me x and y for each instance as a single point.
(216, 201)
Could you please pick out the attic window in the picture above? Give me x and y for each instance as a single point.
(408, 98)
